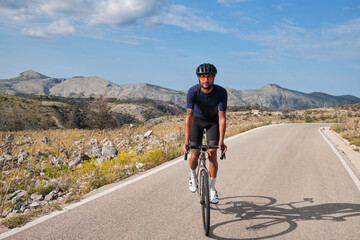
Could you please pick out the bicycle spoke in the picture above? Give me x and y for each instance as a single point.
(205, 206)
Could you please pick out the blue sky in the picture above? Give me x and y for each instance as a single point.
(303, 45)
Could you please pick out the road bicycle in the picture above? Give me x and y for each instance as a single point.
(203, 180)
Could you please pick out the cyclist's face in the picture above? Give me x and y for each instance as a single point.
(206, 81)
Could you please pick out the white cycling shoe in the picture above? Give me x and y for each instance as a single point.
(214, 198)
(192, 184)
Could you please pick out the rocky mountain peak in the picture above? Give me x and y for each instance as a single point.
(31, 74)
(271, 85)
(270, 96)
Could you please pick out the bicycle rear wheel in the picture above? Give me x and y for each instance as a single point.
(205, 201)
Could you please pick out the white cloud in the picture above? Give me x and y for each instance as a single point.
(53, 18)
(15, 11)
(191, 19)
(282, 35)
(44, 18)
(77, 9)
(326, 43)
(345, 32)
(123, 12)
(49, 30)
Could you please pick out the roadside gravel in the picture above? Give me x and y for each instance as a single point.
(351, 156)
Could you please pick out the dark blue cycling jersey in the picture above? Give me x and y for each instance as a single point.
(207, 106)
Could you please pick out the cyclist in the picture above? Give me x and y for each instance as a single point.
(206, 109)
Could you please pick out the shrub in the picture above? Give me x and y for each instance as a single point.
(16, 221)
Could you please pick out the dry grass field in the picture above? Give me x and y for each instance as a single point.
(63, 162)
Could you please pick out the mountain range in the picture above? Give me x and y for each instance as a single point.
(269, 96)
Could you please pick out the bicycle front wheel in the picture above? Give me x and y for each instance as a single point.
(205, 201)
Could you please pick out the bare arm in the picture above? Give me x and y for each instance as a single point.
(222, 127)
(188, 125)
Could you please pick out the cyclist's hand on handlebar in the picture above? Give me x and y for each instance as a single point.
(185, 148)
(222, 147)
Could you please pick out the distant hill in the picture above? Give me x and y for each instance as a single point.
(30, 82)
(32, 112)
(274, 96)
(269, 96)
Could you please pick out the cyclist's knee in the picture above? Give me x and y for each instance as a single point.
(213, 159)
(195, 153)
(212, 154)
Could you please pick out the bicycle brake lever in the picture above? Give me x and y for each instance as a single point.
(223, 156)
(187, 149)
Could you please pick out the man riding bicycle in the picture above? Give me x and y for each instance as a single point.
(206, 109)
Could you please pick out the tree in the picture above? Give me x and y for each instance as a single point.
(72, 121)
(101, 115)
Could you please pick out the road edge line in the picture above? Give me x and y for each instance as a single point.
(344, 163)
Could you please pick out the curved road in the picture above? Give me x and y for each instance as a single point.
(278, 182)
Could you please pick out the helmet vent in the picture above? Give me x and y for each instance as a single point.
(206, 68)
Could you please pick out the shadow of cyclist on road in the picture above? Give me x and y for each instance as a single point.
(263, 215)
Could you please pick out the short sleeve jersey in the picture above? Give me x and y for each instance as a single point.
(207, 106)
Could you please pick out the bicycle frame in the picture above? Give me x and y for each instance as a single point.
(201, 166)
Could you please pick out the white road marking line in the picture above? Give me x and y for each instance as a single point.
(346, 166)
(103, 193)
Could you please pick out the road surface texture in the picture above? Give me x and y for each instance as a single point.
(278, 182)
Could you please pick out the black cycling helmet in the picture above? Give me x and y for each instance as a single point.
(206, 68)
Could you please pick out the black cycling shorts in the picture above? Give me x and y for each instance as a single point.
(197, 131)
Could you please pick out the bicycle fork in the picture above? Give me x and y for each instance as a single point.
(201, 168)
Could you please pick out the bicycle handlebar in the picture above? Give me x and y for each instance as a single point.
(205, 148)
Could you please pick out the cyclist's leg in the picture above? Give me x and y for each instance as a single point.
(212, 135)
(213, 139)
(195, 140)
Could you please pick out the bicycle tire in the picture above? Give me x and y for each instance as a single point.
(205, 201)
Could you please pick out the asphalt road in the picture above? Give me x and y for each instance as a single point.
(278, 182)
